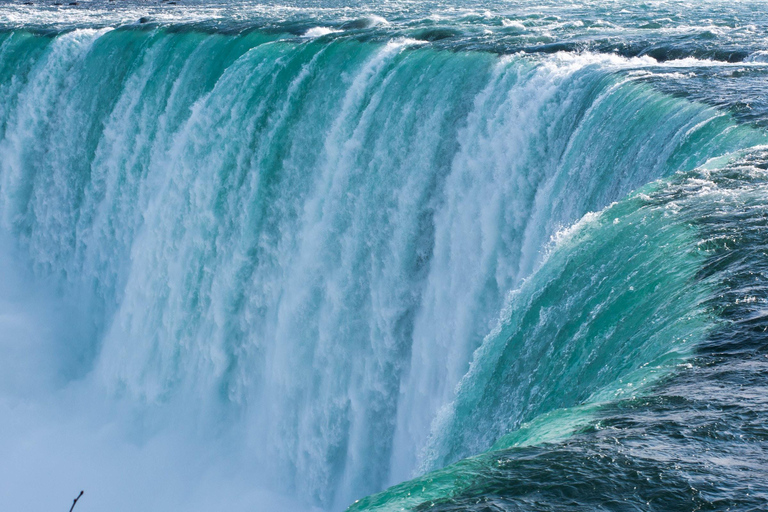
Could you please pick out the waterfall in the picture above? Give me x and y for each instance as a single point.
(301, 242)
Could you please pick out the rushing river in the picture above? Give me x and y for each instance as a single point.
(487, 256)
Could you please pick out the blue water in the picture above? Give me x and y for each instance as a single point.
(408, 256)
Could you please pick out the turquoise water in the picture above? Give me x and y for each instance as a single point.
(277, 257)
(654, 438)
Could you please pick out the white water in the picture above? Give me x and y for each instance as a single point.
(277, 281)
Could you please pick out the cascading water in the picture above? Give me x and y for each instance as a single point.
(634, 316)
(269, 257)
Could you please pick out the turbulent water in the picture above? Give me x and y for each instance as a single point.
(448, 256)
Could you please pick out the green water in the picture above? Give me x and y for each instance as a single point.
(341, 247)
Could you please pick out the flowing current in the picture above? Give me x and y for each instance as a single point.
(271, 257)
